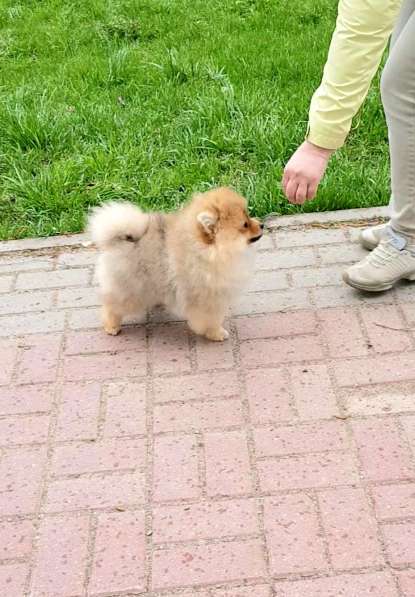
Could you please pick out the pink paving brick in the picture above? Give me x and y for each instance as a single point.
(119, 559)
(196, 564)
(196, 387)
(406, 293)
(175, 474)
(24, 430)
(268, 280)
(77, 258)
(214, 355)
(62, 556)
(130, 338)
(80, 319)
(8, 355)
(400, 542)
(268, 392)
(69, 298)
(342, 254)
(110, 455)
(350, 528)
(21, 472)
(78, 412)
(386, 329)
(39, 360)
(314, 396)
(26, 399)
(276, 324)
(212, 520)
(108, 491)
(294, 538)
(344, 296)
(195, 416)
(323, 276)
(408, 424)
(227, 463)
(105, 366)
(343, 332)
(371, 584)
(125, 409)
(313, 470)
(56, 279)
(272, 301)
(394, 501)
(379, 402)
(379, 369)
(16, 538)
(208, 493)
(406, 579)
(21, 263)
(32, 323)
(17, 302)
(251, 591)
(285, 259)
(13, 579)
(169, 348)
(301, 439)
(280, 350)
(382, 451)
(310, 237)
(6, 283)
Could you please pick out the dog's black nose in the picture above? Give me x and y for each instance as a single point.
(261, 226)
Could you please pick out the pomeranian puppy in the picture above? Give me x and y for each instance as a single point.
(193, 261)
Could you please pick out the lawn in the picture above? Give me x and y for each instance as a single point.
(149, 100)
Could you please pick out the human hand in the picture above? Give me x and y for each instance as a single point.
(304, 171)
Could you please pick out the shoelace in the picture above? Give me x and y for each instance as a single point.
(383, 253)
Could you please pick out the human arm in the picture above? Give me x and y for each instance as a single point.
(362, 31)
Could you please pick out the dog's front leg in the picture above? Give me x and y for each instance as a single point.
(111, 319)
(207, 324)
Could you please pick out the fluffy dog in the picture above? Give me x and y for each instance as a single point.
(193, 261)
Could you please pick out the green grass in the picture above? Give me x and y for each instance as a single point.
(150, 100)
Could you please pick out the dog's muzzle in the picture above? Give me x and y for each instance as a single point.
(255, 238)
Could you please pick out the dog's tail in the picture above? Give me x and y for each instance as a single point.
(113, 223)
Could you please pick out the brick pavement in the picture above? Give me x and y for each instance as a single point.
(279, 464)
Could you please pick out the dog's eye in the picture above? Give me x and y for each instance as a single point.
(246, 225)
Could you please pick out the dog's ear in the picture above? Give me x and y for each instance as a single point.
(208, 221)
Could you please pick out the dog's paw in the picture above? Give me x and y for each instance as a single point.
(218, 335)
(112, 331)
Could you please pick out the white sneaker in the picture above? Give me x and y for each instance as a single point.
(381, 269)
(371, 237)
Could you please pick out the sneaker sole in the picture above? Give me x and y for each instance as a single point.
(378, 287)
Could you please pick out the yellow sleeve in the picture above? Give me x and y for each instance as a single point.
(359, 40)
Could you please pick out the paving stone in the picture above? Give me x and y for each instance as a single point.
(345, 585)
(351, 528)
(56, 279)
(380, 464)
(62, 556)
(16, 538)
(213, 520)
(294, 538)
(21, 471)
(13, 579)
(400, 542)
(227, 464)
(176, 473)
(222, 562)
(119, 559)
(277, 464)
